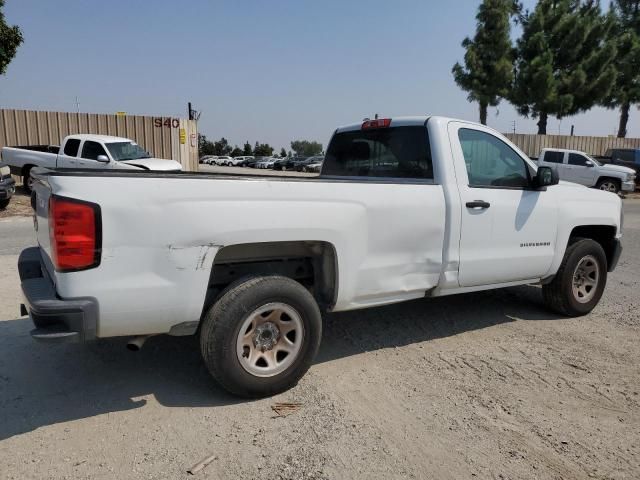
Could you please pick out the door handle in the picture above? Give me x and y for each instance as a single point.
(478, 204)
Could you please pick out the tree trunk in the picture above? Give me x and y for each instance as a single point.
(542, 123)
(483, 113)
(624, 118)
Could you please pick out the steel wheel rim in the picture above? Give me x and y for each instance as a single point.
(585, 279)
(608, 186)
(270, 339)
(30, 182)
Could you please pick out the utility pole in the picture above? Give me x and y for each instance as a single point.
(189, 111)
(513, 124)
(77, 105)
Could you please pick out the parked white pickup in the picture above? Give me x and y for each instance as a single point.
(402, 209)
(578, 167)
(84, 151)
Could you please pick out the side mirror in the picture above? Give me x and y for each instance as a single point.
(589, 164)
(545, 177)
(103, 159)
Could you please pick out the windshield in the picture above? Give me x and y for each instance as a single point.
(121, 151)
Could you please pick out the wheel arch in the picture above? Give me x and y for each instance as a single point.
(312, 263)
(603, 234)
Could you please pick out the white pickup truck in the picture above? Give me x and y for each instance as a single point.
(405, 208)
(83, 151)
(578, 167)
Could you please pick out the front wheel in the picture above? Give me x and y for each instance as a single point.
(609, 185)
(580, 280)
(261, 336)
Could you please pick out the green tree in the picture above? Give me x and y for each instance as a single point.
(488, 61)
(565, 60)
(222, 147)
(305, 148)
(205, 147)
(10, 40)
(263, 150)
(247, 150)
(626, 34)
(236, 152)
(283, 153)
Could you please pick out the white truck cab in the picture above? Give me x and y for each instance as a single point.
(578, 167)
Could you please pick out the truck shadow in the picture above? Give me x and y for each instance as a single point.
(47, 384)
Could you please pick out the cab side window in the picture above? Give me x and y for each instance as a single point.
(91, 150)
(71, 147)
(575, 159)
(490, 162)
(553, 157)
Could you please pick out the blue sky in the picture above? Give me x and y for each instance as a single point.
(271, 71)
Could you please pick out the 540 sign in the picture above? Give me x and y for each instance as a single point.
(166, 122)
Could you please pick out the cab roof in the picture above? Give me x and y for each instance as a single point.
(99, 138)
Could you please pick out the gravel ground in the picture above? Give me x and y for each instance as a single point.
(487, 385)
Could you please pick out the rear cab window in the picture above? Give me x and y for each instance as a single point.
(552, 156)
(387, 152)
(71, 147)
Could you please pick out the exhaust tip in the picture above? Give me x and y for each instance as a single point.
(136, 343)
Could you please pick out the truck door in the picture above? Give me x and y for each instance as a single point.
(581, 170)
(508, 230)
(89, 157)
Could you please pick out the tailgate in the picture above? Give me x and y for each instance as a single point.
(40, 202)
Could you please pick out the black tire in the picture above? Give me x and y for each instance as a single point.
(26, 179)
(559, 294)
(4, 203)
(609, 184)
(222, 323)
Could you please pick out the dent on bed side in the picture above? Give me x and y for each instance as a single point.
(193, 257)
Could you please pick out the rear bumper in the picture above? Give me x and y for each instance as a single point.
(56, 320)
(615, 255)
(7, 188)
(628, 186)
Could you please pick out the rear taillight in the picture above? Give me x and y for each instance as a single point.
(75, 232)
(377, 123)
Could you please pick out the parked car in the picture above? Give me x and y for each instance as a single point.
(267, 162)
(459, 209)
(84, 151)
(223, 161)
(301, 166)
(241, 161)
(316, 166)
(206, 158)
(578, 167)
(7, 186)
(287, 163)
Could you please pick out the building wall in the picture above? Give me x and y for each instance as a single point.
(597, 146)
(158, 135)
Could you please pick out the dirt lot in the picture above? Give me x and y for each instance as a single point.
(486, 385)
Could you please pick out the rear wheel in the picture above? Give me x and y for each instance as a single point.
(261, 336)
(580, 281)
(609, 185)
